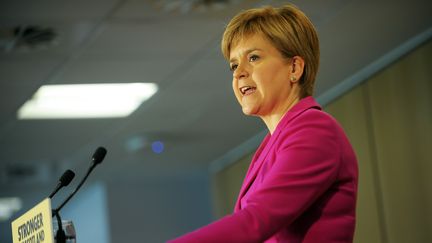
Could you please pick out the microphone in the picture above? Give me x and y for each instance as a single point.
(97, 158)
(64, 180)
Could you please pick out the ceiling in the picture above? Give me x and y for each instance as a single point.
(176, 46)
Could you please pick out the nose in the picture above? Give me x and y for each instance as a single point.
(240, 72)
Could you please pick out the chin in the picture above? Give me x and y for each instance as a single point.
(249, 111)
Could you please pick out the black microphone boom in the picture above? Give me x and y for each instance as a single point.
(97, 158)
(64, 180)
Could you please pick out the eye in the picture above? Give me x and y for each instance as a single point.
(233, 66)
(253, 58)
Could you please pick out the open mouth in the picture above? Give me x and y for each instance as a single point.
(246, 90)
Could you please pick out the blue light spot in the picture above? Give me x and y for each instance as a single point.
(157, 147)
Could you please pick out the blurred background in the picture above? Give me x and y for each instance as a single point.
(176, 162)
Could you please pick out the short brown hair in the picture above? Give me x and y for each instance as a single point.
(287, 28)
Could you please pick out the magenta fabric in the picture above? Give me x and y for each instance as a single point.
(301, 186)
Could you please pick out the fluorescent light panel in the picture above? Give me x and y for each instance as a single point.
(73, 101)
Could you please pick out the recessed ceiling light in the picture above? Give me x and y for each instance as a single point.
(72, 101)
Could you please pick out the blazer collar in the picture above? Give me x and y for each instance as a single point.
(303, 104)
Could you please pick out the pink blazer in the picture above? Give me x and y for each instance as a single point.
(301, 186)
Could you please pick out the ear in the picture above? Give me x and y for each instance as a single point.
(297, 68)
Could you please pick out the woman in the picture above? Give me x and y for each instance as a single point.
(302, 182)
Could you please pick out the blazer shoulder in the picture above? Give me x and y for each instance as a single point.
(316, 116)
(309, 126)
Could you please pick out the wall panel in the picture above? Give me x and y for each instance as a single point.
(350, 111)
(401, 109)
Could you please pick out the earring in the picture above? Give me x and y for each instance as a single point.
(293, 78)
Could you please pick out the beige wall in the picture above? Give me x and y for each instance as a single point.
(351, 111)
(389, 122)
(226, 186)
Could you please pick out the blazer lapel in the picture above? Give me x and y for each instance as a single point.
(260, 160)
(252, 170)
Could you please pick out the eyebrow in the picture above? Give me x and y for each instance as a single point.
(245, 53)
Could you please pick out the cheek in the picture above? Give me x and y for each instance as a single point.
(234, 88)
(236, 92)
(262, 78)
(262, 73)
(270, 77)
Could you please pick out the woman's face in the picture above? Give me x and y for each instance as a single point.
(261, 77)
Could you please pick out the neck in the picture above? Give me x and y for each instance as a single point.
(273, 119)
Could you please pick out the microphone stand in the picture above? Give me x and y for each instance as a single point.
(60, 235)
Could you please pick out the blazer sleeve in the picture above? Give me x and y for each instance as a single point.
(305, 166)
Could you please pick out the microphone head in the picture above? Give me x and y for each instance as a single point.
(67, 177)
(99, 155)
